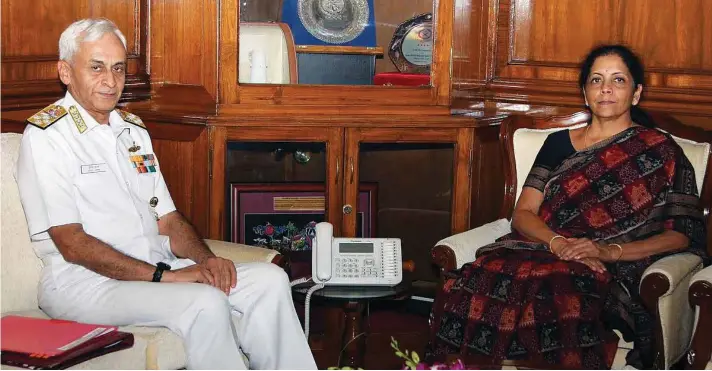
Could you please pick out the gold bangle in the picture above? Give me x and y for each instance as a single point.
(620, 248)
(552, 240)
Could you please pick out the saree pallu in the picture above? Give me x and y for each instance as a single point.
(518, 301)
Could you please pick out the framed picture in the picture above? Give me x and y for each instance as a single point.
(283, 216)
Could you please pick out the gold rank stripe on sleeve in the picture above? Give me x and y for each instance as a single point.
(78, 120)
(130, 118)
(48, 116)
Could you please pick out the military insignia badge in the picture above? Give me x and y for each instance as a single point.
(78, 120)
(48, 116)
(134, 148)
(130, 118)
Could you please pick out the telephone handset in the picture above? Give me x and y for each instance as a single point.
(355, 261)
(321, 252)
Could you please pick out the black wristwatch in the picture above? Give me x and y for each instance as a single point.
(158, 274)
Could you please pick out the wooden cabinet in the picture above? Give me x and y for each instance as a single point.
(419, 170)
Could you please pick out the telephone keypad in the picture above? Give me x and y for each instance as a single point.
(355, 268)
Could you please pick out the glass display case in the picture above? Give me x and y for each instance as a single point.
(275, 193)
(336, 42)
(415, 188)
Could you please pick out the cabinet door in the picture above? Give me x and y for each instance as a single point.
(269, 183)
(419, 181)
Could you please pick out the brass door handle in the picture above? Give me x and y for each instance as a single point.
(351, 168)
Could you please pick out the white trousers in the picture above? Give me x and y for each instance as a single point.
(269, 333)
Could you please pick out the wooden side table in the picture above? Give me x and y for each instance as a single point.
(351, 302)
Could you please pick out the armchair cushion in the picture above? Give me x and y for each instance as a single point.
(20, 265)
(465, 244)
(698, 154)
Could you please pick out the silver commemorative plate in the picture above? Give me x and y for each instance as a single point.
(411, 49)
(334, 21)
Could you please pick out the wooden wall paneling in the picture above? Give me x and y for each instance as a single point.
(487, 176)
(228, 47)
(462, 180)
(441, 67)
(470, 45)
(541, 43)
(218, 152)
(182, 149)
(184, 37)
(30, 34)
(201, 183)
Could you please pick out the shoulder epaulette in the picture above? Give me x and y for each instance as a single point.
(48, 116)
(130, 118)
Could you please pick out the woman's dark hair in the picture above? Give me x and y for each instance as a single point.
(635, 66)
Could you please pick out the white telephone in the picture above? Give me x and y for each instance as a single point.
(351, 262)
(355, 261)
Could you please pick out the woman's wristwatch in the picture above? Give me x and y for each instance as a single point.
(158, 274)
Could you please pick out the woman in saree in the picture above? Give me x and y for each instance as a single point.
(600, 204)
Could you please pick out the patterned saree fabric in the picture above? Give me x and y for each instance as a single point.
(517, 301)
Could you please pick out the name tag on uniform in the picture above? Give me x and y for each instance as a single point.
(95, 168)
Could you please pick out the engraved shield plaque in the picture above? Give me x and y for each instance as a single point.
(411, 49)
(334, 21)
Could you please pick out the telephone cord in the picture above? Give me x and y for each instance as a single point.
(307, 300)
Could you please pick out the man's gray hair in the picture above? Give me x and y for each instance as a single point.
(89, 29)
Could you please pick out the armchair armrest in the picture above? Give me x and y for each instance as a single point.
(243, 253)
(664, 289)
(703, 276)
(454, 251)
(700, 352)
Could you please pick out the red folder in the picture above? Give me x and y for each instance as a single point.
(48, 344)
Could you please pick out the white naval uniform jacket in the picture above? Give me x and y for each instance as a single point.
(101, 176)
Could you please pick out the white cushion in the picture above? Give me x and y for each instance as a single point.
(527, 143)
(698, 154)
(20, 266)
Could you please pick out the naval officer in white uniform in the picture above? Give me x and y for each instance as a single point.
(114, 248)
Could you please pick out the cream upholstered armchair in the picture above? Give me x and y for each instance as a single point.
(699, 355)
(664, 287)
(154, 348)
